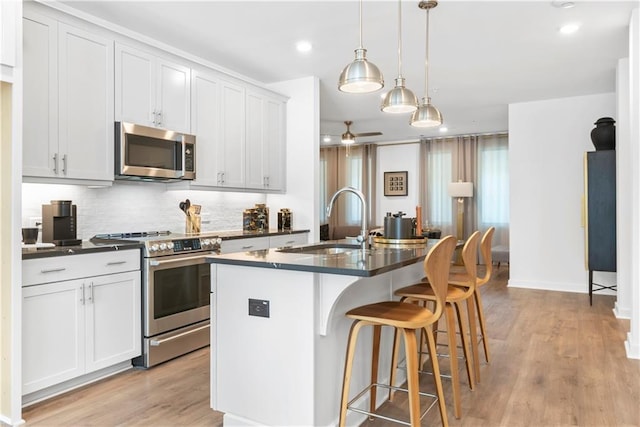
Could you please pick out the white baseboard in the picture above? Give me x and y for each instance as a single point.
(40, 395)
(578, 288)
(621, 312)
(633, 349)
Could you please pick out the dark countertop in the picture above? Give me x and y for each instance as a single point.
(85, 247)
(90, 247)
(353, 262)
(240, 234)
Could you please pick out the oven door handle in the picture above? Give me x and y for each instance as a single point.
(157, 262)
(156, 343)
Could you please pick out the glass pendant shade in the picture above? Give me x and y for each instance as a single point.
(399, 99)
(360, 76)
(426, 115)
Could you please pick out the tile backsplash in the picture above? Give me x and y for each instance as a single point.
(139, 206)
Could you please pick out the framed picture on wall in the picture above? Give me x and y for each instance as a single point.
(395, 183)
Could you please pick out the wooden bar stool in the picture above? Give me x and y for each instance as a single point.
(406, 319)
(455, 295)
(457, 279)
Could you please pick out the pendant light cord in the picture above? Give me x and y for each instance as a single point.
(360, 23)
(426, 60)
(400, 38)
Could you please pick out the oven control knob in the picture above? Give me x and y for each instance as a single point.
(206, 242)
(170, 245)
(163, 246)
(153, 247)
(218, 240)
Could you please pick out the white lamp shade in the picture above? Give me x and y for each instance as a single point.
(461, 189)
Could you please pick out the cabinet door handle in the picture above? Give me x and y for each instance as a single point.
(64, 164)
(55, 163)
(91, 292)
(52, 270)
(82, 298)
(159, 120)
(116, 262)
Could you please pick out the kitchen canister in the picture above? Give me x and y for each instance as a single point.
(284, 219)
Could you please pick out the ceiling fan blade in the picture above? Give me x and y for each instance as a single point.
(367, 134)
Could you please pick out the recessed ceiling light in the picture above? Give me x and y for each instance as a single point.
(443, 129)
(327, 138)
(569, 28)
(563, 4)
(303, 46)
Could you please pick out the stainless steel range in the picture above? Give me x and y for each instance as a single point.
(175, 292)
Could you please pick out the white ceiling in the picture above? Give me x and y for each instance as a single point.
(484, 55)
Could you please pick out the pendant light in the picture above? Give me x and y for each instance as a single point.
(426, 115)
(399, 99)
(360, 76)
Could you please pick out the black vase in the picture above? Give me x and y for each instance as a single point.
(603, 135)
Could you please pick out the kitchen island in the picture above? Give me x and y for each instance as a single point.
(279, 331)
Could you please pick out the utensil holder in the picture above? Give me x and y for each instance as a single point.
(193, 224)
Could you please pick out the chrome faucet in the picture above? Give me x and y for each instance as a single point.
(362, 238)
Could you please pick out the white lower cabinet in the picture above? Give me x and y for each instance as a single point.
(75, 327)
(244, 245)
(286, 240)
(260, 243)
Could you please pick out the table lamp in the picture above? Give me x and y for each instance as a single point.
(460, 190)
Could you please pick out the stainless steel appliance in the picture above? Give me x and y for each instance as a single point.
(59, 222)
(153, 154)
(176, 288)
(397, 227)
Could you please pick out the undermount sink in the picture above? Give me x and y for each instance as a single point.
(323, 249)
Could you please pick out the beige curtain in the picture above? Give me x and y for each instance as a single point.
(340, 167)
(446, 160)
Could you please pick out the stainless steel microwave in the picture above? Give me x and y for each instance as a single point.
(148, 153)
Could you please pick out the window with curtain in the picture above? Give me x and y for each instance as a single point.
(493, 186)
(339, 168)
(481, 159)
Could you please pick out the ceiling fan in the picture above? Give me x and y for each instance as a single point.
(350, 138)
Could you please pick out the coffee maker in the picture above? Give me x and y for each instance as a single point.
(59, 223)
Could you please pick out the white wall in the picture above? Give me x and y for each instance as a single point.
(394, 158)
(633, 338)
(547, 141)
(624, 168)
(303, 152)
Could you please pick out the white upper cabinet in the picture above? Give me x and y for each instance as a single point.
(265, 141)
(68, 128)
(239, 134)
(40, 96)
(86, 130)
(9, 17)
(151, 91)
(232, 145)
(205, 124)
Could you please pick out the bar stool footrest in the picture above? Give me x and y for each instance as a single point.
(383, 417)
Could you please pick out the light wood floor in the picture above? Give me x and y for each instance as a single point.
(556, 361)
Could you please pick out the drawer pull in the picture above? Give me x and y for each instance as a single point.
(53, 270)
(247, 247)
(156, 343)
(116, 262)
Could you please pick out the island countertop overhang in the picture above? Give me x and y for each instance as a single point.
(355, 262)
